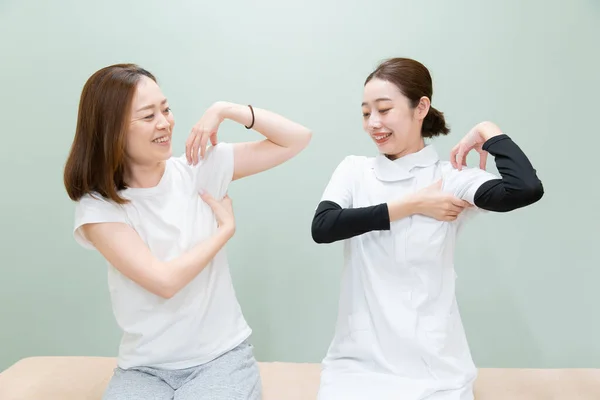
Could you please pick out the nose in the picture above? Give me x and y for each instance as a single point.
(162, 122)
(374, 121)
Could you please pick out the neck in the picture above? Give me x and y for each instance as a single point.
(411, 148)
(144, 176)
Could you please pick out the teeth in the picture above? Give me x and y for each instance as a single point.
(379, 137)
(161, 139)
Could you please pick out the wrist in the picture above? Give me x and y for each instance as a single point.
(227, 230)
(235, 112)
(488, 130)
(223, 109)
(403, 208)
(412, 204)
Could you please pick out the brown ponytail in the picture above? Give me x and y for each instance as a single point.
(434, 124)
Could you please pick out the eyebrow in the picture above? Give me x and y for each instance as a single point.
(378, 100)
(151, 105)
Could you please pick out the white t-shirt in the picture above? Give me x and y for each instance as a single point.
(399, 334)
(204, 319)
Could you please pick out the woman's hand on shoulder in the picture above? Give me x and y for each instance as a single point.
(204, 130)
(474, 140)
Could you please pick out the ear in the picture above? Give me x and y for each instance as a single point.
(422, 108)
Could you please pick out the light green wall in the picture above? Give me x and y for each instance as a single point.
(529, 294)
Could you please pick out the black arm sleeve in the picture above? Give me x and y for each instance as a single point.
(332, 223)
(519, 186)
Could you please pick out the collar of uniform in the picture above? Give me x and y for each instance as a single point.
(400, 169)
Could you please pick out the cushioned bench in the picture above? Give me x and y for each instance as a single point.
(84, 378)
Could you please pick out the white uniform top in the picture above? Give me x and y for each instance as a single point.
(203, 320)
(399, 333)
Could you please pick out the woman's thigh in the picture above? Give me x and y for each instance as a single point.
(137, 385)
(233, 376)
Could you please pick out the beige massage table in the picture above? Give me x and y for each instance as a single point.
(84, 378)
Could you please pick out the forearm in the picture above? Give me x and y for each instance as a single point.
(519, 185)
(274, 127)
(406, 207)
(178, 272)
(332, 223)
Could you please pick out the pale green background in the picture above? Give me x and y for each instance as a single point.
(529, 295)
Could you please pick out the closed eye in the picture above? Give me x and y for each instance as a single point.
(149, 117)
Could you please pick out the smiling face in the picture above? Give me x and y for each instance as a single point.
(391, 121)
(148, 138)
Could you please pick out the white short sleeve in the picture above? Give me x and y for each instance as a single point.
(339, 188)
(215, 172)
(463, 184)
(95, 209)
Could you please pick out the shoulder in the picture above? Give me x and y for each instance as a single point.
(350, 168)
(464, 174)
(356, 163)
(213, 172)
(359, 160)
(216, 158)
(95, 201)
(220, 149)
(219, 155)
(222, 152)
(461, 182)
(353, 168)
(93, 209)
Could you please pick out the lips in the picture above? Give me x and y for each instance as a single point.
(381, 136)
(162, 139)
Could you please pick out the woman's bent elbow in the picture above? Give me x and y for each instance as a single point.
(306, 138)
(525, 197)
(165, 286)
(534, 193)
(319, 234)
(165, 291)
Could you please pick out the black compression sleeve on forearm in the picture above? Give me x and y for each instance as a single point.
(331, 223)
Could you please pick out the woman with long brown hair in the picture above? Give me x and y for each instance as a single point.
(161, 222)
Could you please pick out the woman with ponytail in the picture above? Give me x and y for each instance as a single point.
(399, 334)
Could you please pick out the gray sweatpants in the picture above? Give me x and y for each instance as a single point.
(232, 376)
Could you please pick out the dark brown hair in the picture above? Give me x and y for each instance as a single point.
(414, 81)
(96, 161)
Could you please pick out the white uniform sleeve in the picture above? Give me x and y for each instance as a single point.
(339, 188)
(463, 184)
(95, 209)
(215, 172)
